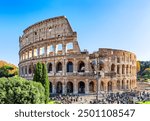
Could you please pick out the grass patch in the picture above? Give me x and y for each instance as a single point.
(142, 102)
(53, 102)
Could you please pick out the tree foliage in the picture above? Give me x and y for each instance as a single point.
(138, 66)
(12, 69)
(42, 77)
(16, 90)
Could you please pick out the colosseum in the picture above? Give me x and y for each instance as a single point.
(71, 70)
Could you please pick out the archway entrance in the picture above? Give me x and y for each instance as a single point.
(59, 87)
(81, 87)
(109, 86)
(91, 86)
(69, 87)
(102, 86)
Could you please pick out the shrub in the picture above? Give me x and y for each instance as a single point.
(16, 90)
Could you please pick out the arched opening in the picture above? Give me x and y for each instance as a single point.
(49, 67)
(101, 65)
(109, 86)
(50, 87)
(113, 67)
(127, 69)
(118, 85)
(30, 69)
(123, 84)
(127, 84)
(118, 69)
(25, 69)
(69, 87)
(91, 86)
(69, 67)
(102, 86)
(81, 87)
(59, 87)
(81, 66)
(69, 46)
(59, 67)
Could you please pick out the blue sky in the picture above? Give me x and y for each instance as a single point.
(119, 24)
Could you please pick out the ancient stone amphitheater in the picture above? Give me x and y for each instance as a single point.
(54, 43)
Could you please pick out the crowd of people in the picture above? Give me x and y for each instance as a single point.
(131, 97)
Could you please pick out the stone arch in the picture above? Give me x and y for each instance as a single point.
(102, 86)
(110, 86)
(81, 66)
(69, 66)
(81, 87)
(118, 69)
(30, 69)
(69, 87)
(112, 67)
(49, 67)
(127, 69)
(123, 84)
(127, 84)
(25, 69)
(50, 87)
(69, 46)
(91, 86)
(101, 65)
(59, 67)
(59, 87)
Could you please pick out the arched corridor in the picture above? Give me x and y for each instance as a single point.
(81, 87)
(81, 66)
(69, 67)
(91, 86)
(69, 87)
(59, 87)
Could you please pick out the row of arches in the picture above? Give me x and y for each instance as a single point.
(70, 87)
(104, 86)
(59, 67)
(47, 50)
(123, 69)
(69, 67)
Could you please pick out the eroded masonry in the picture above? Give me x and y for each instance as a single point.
(54, 43)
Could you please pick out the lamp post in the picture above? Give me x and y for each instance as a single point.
(96, 73)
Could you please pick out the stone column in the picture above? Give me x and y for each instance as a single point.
(32, 52)
(98, 84)
(45, 50)
(53, 89)
(87, 65)
(55, 49)
(64, 67)
(64, 49)
(38, 51)
(64, 89)
(86, 86)
(75, 87)
(74, 66)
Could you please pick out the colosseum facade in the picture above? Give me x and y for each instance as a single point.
(54, 43)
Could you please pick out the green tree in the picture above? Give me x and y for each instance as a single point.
(4, 71)
(38, 73)
(42, 77)
(45, 82)
(16, 90)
